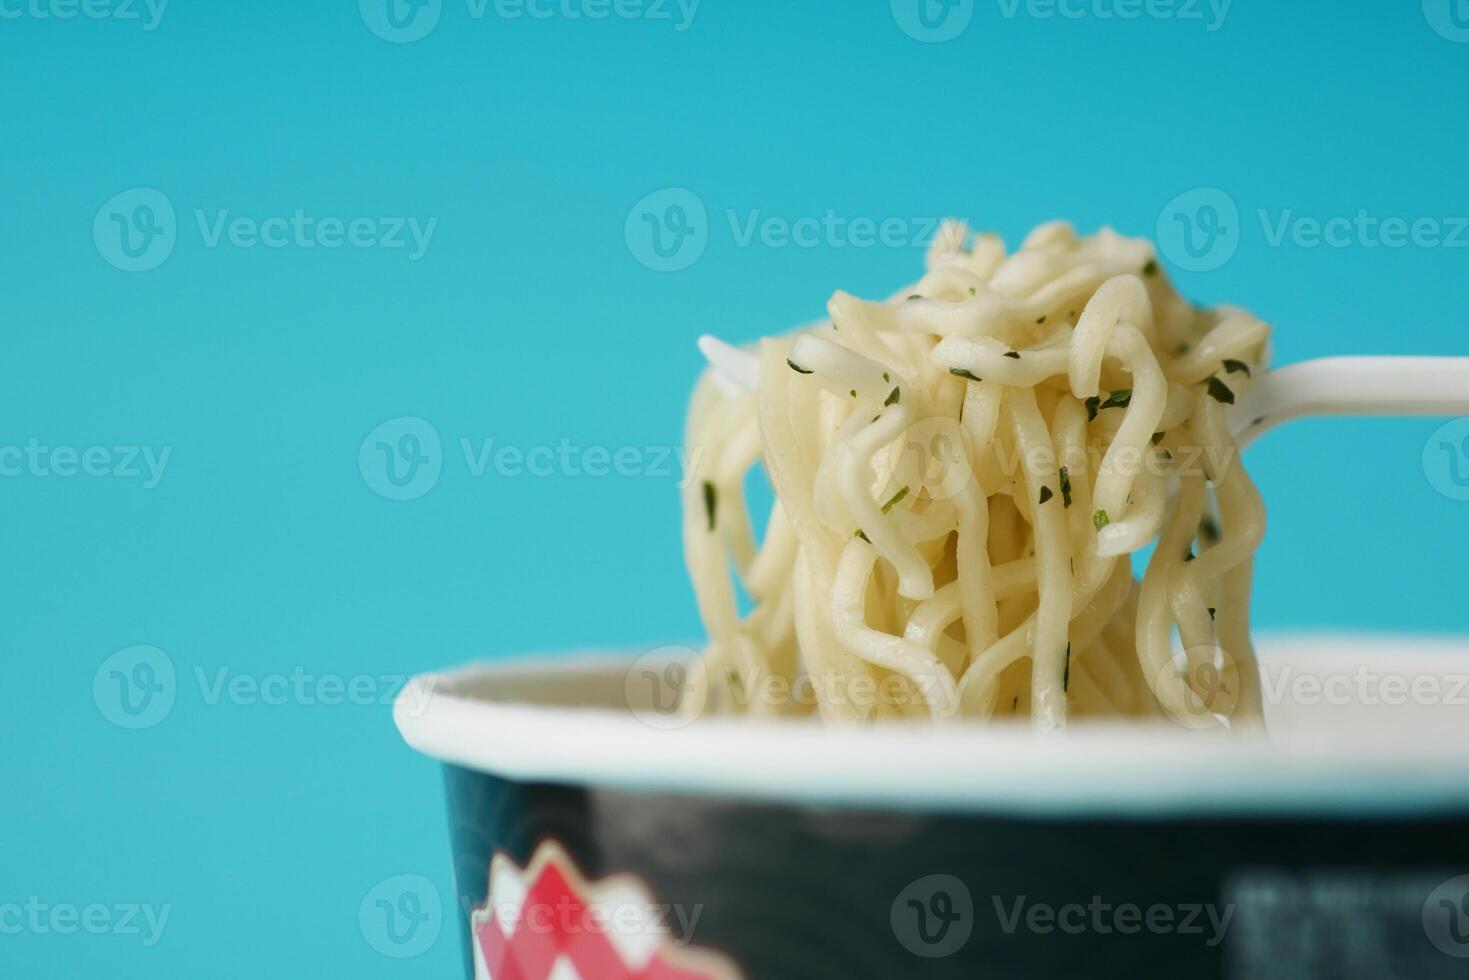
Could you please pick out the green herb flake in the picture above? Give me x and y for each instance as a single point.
(885, 376)
(1157, 437)
(1151, 269)
(1046, 494)
(1041, 320)
(1065, 487)
(914, 296)
(711, 499)
(859, 533)
(1120, 398)
(1220, 391)
(1100, 520)
(895, 499)
(1092, 404)
(965, 373)
(1013, 354)
(1231, 366)
(1212, 611)
(893, 398)
(1066, 674)
(973, 291)
(797, 368)
(854, 392)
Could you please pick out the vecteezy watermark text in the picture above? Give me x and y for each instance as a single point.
(138, 229)
(1201, 230)
(1210, 13)
(669, 229)
(39, 460)
(937, 21)
(301, 230)
(298, 687)
(138, 687)
(934, 917)
(403, 458)
(41, 918)
(1362, 686)
(148, 13)
(1100, 917)
(567, 458)
(626, 918)
(406, 21)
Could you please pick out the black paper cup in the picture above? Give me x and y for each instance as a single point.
(598, 835)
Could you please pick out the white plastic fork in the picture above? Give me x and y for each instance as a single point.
(1322, 386)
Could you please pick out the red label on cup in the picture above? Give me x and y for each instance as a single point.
(547, 922)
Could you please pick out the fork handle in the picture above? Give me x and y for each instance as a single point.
(1354, 386)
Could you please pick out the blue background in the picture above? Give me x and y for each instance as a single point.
(529, 320)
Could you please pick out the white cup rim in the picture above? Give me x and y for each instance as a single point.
(501, 718)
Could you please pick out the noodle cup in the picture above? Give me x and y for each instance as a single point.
(596, 833)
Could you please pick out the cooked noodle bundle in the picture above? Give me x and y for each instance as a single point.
(962, 473)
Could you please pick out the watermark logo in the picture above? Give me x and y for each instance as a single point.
(135, 231)
(1446, 459)
(136, 687)
(933, 917)
(402, 916)
(933, 21)
(401, 21)
(1450, 18)
(1199, 229)
(1446, 917)
(656, 683)
(940, 450)
(668, 230)
(402, 458)
(1210, 682)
